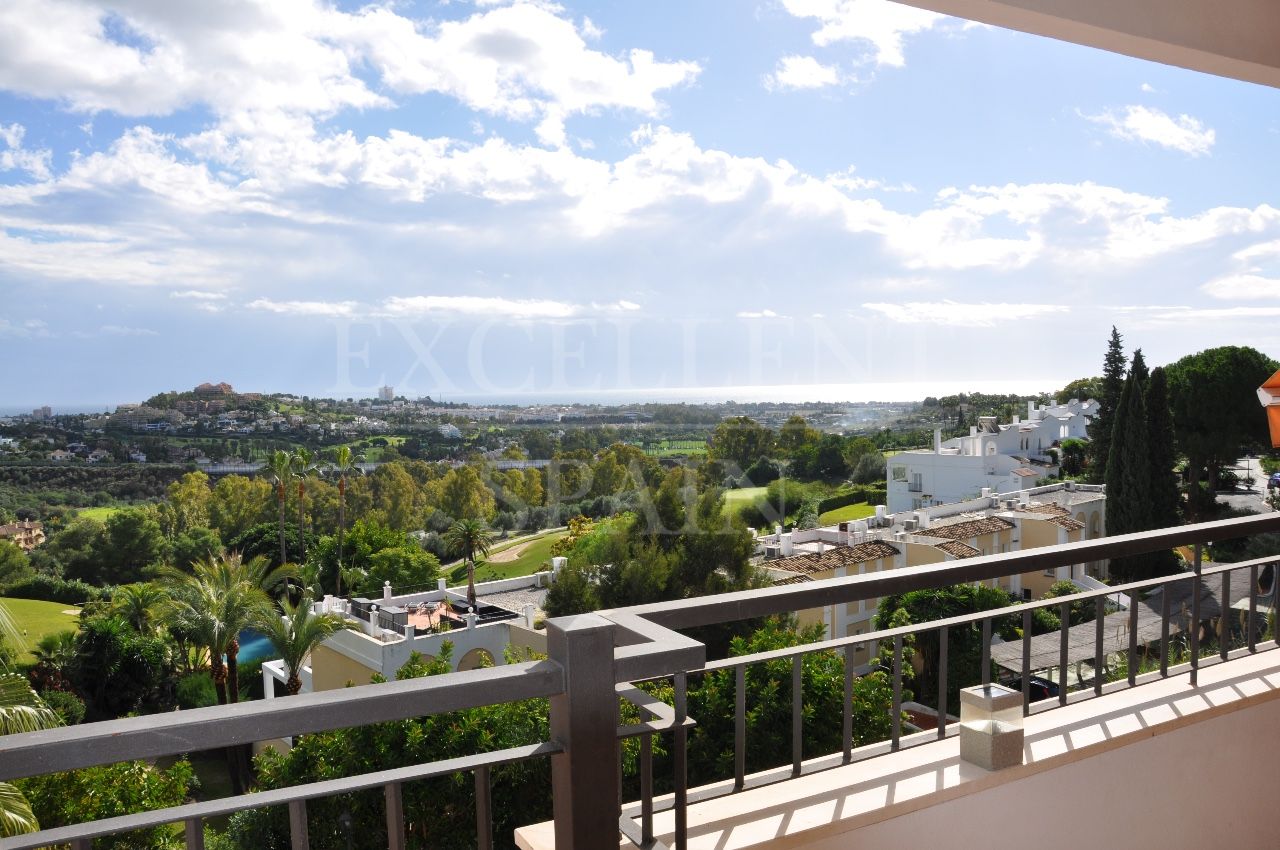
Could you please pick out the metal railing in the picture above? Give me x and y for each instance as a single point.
(593, 658)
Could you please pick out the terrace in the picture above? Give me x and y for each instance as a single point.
(1211, 709)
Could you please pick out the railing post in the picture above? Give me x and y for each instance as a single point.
(584, 721)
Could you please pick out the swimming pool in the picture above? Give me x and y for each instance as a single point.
(254, 646)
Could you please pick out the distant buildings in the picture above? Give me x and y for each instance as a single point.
(992, 459)
(989, 525)
(45, 412)
(386, 393)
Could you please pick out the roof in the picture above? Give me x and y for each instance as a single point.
(798, 578)
(957, 549)
(968, 529)
(1049, 508)
(1069, 523)
(1024, 472)
(834, 558)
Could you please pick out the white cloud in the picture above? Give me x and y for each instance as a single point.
(801, 72)
(1151, 126)
(881, 23)
(267, 67)
(1147, 88)
(121, 330)
(760, 314)
(590, 31)
(28, 329)
(956, 314)
(35, 163)
(324, 309)
(1240, 286)
(416, 306)
(198, 295)
(1212, 314)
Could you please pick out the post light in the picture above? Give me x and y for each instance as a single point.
(991, 726)
(1269, 396)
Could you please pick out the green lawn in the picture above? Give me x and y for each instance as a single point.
(860, 510)
(734, 500)
(100, 514)
(535, 556)
(35, 619)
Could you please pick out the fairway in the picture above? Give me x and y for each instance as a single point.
(734, 500)
(511, 560)
(35, 619)
(100, 514)
(849, 512)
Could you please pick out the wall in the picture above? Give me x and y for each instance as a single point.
(331, 669)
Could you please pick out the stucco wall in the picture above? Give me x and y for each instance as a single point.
(331, 669)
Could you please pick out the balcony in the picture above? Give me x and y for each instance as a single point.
(1160, 754)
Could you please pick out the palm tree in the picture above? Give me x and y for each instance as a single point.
(297, 633)
(471, 537)
(139, 605)
(21, 710)
(281, 467)
(343, 464)
(304, 466)
(255, 574)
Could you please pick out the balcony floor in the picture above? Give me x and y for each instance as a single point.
(1164, 764)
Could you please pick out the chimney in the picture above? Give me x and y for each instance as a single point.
(1031, 411)
(937, 441)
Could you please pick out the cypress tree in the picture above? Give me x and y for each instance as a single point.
(1128, 478)
(1163, 492)
(1104, 423)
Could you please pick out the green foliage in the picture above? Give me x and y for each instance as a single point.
(403, 566)
(741, 441)
(869, 469)
(14, 564)
(1103, 424)
(1082, 389)
(69, 707)
(52, 589)
(195, 690)
(439, 813)
(195, 544)
(94, 793)
(119, 671)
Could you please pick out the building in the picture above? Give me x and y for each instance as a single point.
(994, 458)
(940, 534)
(394, 626)
(386, 393)
(213, 391)
(25, 534)
(45, 412)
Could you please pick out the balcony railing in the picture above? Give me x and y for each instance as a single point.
(594, 659)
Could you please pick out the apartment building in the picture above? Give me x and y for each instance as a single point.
(996, 457)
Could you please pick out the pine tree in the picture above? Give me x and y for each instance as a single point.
(1104, 423)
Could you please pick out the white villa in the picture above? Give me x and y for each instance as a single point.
(993, 458)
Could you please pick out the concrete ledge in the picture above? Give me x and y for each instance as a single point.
(1119, 750)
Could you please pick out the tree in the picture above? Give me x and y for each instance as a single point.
(139, 605)
(470, 537)
(304, 466)
(402, 566)
(21, 710)
(281, 470)
(342, 466)
(795, 435)
(14, 563)
(55, 654)
(295, 634)
(1216, 415)
(189, 499)
(395, 496)
(869, 469)
(464, 496)
(1163, 490)
(1082, 389)
(1104, 423)
(119, 671)
(1074, 452)
(741, 441)
(238, 503)
(73, 551)
(133, 542)
(195, 544)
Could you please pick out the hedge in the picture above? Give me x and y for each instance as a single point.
(50, 589)
(857, 494)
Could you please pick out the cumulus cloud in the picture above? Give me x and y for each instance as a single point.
(760, 314)
(801, 72)
(313, 309)
(1148, 125)
(882, 25)
(955, 314)
(14, 157)
(1241, 286)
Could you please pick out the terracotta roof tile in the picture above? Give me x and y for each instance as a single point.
(798, 578)
(1069, 523)
(1049, 508)
(968, 529)
(957, 549)
(835, 557)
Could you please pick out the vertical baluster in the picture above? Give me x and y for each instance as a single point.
(1064, 613)
(646, 788)
(897, 693)
(393, 794)
(797, 713)
(740, 728)
(942, 682)
(82, 844)
(194, 829)
(846, 730)
(1253, 607)
(1164, 630)
(1224, 621)
(1026, 663)
(986, 652)
(1133, 641)
(1194, 625)
(298, 838)
(681, 759)
(1099, 654)
(484, 809)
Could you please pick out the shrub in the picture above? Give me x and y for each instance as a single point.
(50, 589)
(196, 690)
(66, 705)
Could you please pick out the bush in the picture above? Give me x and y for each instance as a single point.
(196, 690)
(66, 705)
(50, 589)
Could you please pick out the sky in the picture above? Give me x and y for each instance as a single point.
(792, 199)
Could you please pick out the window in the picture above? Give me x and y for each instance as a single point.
(899, 473)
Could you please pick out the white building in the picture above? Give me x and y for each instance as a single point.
(386, 393)
(993, 458)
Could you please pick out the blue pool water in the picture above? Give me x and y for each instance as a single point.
(254, 647)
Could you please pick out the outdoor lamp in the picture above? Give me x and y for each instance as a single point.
(991, 726)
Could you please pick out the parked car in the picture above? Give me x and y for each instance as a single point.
(1040, 688)
(1273, 483)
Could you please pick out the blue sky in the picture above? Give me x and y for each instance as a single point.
(609, 200)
